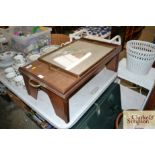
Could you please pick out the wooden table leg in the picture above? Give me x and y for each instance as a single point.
(113, 64)
(31, 90)
(60, 105)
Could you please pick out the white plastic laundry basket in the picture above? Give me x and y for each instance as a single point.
(140, 56)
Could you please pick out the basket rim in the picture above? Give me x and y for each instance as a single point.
(136, 50)
(141, 41)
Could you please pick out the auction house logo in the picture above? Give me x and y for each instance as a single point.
(139, 119)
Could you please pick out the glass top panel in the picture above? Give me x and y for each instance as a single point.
(77, 57)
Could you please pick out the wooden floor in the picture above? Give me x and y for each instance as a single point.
(12, 117)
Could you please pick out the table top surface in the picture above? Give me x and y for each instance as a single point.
(46, 110)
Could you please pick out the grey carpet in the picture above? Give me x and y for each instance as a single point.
(12, 117)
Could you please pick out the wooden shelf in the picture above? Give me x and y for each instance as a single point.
(133, 32)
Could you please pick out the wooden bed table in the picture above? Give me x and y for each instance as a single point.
(61, 84)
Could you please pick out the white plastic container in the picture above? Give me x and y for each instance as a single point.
(140, 56)
(31, 42)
